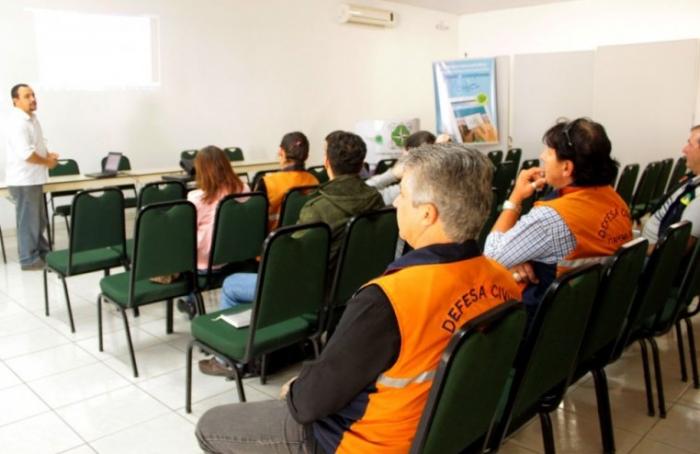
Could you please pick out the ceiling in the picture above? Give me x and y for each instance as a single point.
(473, 6)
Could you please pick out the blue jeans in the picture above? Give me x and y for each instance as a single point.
(30, 212)
(238, 288)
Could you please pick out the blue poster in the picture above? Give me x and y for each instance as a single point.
(465, 100)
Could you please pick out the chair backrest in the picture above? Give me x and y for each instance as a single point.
(239, 229)
(234, 154)
(97, 221)
(291, 280)
(503, 179)
(627, 181)
(124, 163)
(319, 172)
(161, 191)
(514, 154)
(358, 263)
(613, 302)
(244, 177)
(549, 351)
(490, 220)
(679, 170)
(188, 154)
(645, 189)
(496, 157)
(65, 167)
(469, 381)
(165, 241)
(384, 165)
(529, 164)
(259, 175)
(663, 178)
(293, 202)
(657, 278)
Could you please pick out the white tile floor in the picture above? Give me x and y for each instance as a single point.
(60, 395)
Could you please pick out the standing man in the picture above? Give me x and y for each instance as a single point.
(27, 162)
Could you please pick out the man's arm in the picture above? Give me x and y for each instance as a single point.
(50, 161)
(365, 344)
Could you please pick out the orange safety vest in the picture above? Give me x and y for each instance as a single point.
(431, 302)
(599, 220)
(277, 184)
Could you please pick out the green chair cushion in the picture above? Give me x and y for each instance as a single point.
(116, 288)
(62, 210)
(232, 342)
(83, 262)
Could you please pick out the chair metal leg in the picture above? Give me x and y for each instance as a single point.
(169, 316)
(604, 413)
(2, 245)
(136, 312)
(263, 370)
(106, 272)
(201, 309)
(316, 342)
(681, 352)
(188, 379)
(239, 383)
(692, 351)
(53, 228)
(647, 378)
(99, 321)
(128, 339)
(46, 293)
(70, 311)
(547, 433)
(49, 230)
(659, 379)
(65, 218)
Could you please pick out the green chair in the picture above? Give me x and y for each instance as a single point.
(65, 167)
(469, 381)
(662, 181)
(188, 154)
(357, 262)
(259, 176)
(529, 164)
(690, 288)
(503, 179)
(165, 244)
(627, 181)
(97, 230)
(606, 324)
(124, 165)
(293, 202)
(234, 154)
(319, 172)
(679, 169)
(514, 155)
(647, 312)
(384, 165)
(547, 355)
(490, 220)
(239, 231)
(288, 300)
(645, 190)
(496, 157)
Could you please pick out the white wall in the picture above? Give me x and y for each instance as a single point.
(233, 72)
(584, 25)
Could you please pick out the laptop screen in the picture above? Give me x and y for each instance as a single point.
(112, 164)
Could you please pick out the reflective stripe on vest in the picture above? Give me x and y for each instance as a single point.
(392, 382)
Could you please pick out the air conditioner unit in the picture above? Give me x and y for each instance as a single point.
(357, 14)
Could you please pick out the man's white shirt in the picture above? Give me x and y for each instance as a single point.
(24, 137)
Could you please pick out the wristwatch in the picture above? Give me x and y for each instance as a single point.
(508, 205)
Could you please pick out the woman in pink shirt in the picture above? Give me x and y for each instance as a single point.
(215, 180)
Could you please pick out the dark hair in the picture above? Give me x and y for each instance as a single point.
(333, 134)
(15, 90)
(346, 152)
(295, 146)
(585, 143)
(419, 138)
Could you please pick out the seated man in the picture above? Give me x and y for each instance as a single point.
(293, 152)
(367, 390)
(339, 199)
(584, 219)
(680, 204)
(388, 182)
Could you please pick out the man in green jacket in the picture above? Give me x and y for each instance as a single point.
(342, 197)
(345, 194)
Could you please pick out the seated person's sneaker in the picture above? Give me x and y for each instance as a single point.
(186, 306)
(213, 367)
(36, 265)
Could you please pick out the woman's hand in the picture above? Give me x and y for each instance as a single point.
(526, 184)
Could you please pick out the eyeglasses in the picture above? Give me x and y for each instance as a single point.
(566, 131)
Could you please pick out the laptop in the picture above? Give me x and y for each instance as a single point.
(111, 168)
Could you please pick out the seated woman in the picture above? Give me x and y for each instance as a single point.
(293, 152)
(582, 220)
(215, 180)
